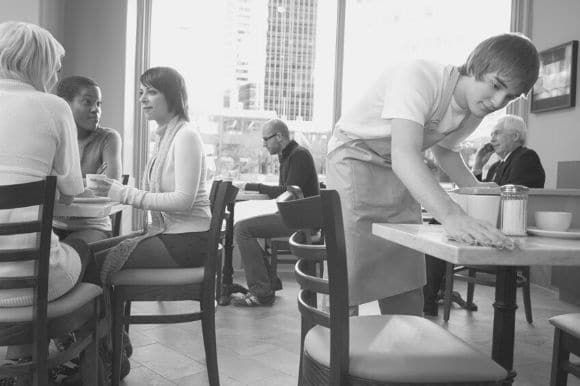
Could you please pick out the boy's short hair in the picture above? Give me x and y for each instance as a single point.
(30, 54)
(511, 55)
(68, 88)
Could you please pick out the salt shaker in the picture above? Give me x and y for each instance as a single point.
(514, 199)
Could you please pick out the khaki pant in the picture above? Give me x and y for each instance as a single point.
(370, 192)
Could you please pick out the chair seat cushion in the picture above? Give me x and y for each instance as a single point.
(404, 348)
(77, 297)
(569, 323)
(158, 276)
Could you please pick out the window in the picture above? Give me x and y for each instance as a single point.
(379, 32)
(208, 43)
(285, 50)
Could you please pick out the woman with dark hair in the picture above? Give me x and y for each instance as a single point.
(174, 185)
(99, 150)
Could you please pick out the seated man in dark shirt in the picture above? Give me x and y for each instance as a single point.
(296, 168)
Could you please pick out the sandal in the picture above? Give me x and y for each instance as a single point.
(249, 300)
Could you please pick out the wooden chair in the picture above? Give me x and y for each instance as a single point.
(77, 311)
(566, 342)
(174, 284)
(377, 349)
(117, 217)
(452, 272)
(308, 220)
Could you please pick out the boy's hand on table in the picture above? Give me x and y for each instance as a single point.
(462, 228)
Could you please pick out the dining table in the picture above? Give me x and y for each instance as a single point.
(228, 287)
(530, 250)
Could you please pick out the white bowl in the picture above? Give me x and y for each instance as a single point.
(553, 221)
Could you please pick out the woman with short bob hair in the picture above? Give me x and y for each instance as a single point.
(174, 186)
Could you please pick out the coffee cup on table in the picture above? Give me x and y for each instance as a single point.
(92, 180)
(553, 221)
(484, 207)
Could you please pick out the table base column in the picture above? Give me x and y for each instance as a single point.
(502, 350)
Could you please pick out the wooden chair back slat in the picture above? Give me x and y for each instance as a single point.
(309, 214)
(310, 313)
(22, 195)
(309, 282)
(301, 247)
(8, 255)
(17, 228)
(20, 282)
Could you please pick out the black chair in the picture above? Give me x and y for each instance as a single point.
(370, 350)
(486, 277)
(77, 311)
(566, 342)
(175, 284)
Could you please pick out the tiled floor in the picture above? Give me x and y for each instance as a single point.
(260, 346)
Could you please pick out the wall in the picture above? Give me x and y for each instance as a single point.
(95, 44)
(20, 10)
(555, 135)
(93, 35)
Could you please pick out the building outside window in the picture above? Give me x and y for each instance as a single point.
(247, 61)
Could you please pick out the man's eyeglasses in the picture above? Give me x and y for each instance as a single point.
(265, 139)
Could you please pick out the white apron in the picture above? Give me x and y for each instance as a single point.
(360, 170)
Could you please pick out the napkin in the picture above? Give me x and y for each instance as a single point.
(510, 245)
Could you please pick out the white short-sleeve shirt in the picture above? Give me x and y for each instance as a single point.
(410, 90)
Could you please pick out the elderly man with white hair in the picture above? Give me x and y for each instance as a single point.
(518, 165)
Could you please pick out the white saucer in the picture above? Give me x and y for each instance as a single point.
(569, 234)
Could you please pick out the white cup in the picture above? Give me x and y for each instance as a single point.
(553, 221)
(92, 179)
(484, 207)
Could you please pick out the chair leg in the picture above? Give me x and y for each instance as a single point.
(218, 279)
(90, 363)
(448, 290)
(118, 313)
(127, 312)
(526, 294)
(90, 356)
(471, 286)
(558, 377)
(209, 342)
(274, 262)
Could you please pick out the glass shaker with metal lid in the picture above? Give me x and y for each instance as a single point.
(514, 200)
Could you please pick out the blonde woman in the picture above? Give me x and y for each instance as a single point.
(38, 134)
